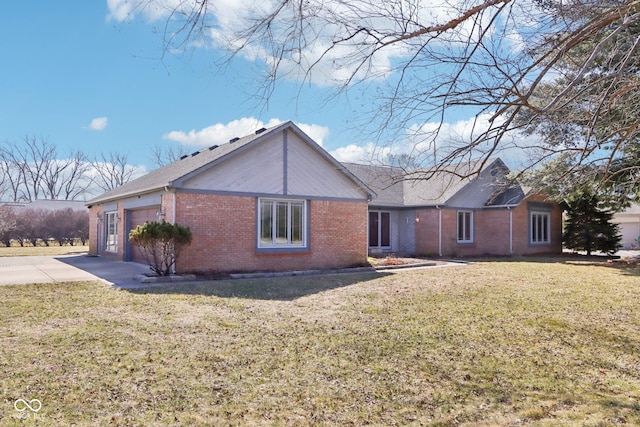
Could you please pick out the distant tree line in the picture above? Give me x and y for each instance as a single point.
(31, 227)
(33, 169)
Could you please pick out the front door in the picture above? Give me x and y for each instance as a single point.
(379, 229)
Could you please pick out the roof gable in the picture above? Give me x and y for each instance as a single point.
(456, 185)
(201, 169)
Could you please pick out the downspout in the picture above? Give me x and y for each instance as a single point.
(439, 230)
(98, 224)
(173, 218)
(510, 230)
(175, 203)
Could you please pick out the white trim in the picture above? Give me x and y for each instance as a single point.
(547, 224)
(465, 214)
(110, 218)
(303, 227)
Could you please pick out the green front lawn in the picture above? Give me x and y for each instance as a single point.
(540, 342)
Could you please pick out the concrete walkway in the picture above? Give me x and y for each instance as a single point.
(69, 268)
(122, 275)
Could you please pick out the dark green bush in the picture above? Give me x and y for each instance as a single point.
(160, 243)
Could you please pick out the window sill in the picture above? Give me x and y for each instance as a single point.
(281, 250)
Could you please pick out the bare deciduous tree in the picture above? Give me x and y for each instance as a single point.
(67, 179)
(161, 156)
(12, 176)
(425, 60)
(112, 170)
(29, 161)
(33, 170)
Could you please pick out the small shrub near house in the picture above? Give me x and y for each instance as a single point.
(160, 243)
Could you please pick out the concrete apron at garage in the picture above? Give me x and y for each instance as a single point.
(67, 268)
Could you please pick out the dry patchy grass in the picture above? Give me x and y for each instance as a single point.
(494, 343)
(42, 250)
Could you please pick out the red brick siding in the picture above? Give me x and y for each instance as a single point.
(224, 235)
(427, 232)
(521, 234)
(167, 206)
(491, 232)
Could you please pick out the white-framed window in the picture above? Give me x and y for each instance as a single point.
(282, 223)
(539, 227)
(111, 231)
(465, 226)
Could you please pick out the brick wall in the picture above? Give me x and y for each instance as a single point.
(224, 235)
(521, 234)
(427, 232)
(491, 231)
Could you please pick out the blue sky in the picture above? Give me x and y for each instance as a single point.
(82, 75)
(67, 65)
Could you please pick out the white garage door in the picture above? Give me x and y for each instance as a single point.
(630, 232)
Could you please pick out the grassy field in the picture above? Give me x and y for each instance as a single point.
(532, 342)
(41, 250)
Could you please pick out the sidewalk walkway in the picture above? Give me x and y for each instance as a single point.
(70, 268)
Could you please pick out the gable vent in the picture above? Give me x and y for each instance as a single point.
(232, 140)
(184, 157)
(259, 131)
(213, 147)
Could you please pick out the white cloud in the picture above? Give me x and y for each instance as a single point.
(316, 132)
(221, 133)
(354, 153)
(126, 10)
(119, 10)
(430, 142)
(98, 124)
(333, 64)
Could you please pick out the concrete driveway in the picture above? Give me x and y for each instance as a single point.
(69, 268)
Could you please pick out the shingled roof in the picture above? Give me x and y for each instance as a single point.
(173, 174)
(469, 184)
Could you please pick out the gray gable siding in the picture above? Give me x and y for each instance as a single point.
(252, 164)
(309, 173)
(259, 170)
(478, 192)
(448, 188)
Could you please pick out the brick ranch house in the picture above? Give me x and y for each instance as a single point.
(275, 200)
(458, 212)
